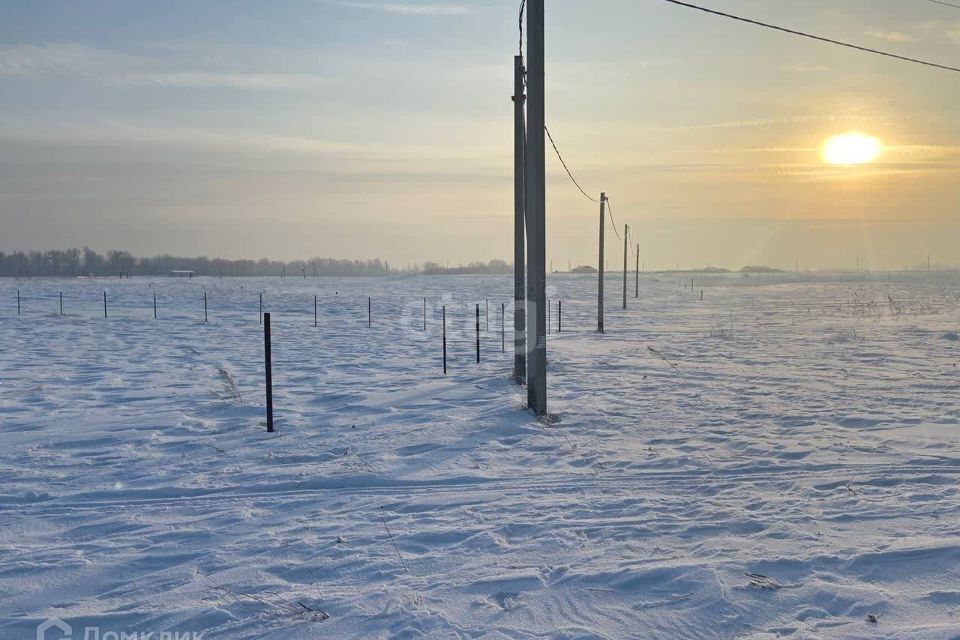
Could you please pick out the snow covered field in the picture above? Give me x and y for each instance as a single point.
(794, 427)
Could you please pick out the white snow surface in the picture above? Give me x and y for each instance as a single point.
(801, 428)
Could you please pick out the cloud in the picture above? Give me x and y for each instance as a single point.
(803, 68)
(891, 36)
(215, 80)
(772, 121)
(410, 9)
(81, 62)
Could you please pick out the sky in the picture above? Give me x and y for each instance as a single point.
(368, 129)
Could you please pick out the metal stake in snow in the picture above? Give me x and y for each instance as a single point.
(104, 304)
(314, 310)
(424, 314)
(369, 312)
(61, 303)
(486, 314)
(205, 306)
(268, 369)
(560, 316)
(260, 314)
(18, 301)
(603, 213)
(154, 305)
(444, 341)
(503, 328)
(478, 333)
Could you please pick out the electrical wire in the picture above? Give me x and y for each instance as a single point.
(814, 37)
(577, 184)
(612, 221)
(946, 4)
(523, 4)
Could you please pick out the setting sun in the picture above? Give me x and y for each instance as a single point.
(851, 148)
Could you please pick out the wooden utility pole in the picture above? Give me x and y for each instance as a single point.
(603, 213)
(519, 207)
(626, 239)
(536, 213)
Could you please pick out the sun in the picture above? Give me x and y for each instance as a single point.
(851, 148)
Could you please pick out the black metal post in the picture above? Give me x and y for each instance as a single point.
(503, 328)
(104, 304)
(268, 368)
(314, 310)
(260, 315)
(424, 314)
(204, 306)
(369, 312)
(18, 301)
(560, 316)
(61, 303)
(478, 333)
(154, 305)
(444, 341)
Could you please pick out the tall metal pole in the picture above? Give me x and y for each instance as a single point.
(636, 276)
(519, 207)
(626, 239)
(536, 213)
(603, 213)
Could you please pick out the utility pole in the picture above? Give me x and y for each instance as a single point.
(603, 203)
(536, 213)
(519, 207)
(626, 239)
(636, 276)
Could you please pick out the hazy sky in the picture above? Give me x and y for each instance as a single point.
(295, 128)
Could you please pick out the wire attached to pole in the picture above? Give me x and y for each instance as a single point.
(946, 4)
(612, 222)
(577, 184)
(523, 4)
(813, 37)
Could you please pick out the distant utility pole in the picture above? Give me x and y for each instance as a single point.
(536, 213)
(626, 239)
(519, 207)
(636, 276)
(603, 213)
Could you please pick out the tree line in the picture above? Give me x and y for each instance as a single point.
(87, 262)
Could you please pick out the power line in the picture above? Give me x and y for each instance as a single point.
(946, 4)
(585, 194)
(612, 221)
(814, 37)
(523, 4)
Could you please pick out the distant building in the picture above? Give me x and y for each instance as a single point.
(182, 273)
(584, 269)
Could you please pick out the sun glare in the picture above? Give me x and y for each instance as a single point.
(851, 148)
